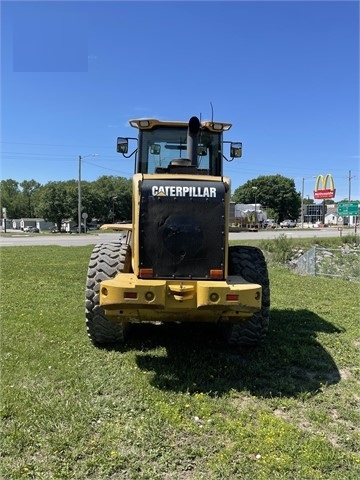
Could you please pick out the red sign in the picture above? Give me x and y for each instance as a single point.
(324, 192)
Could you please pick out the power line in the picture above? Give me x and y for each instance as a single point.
(52, 145)
(44, 156)
(107, 168)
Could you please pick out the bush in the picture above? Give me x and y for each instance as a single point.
(279, 250)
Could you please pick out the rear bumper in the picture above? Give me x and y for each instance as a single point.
(128, 298)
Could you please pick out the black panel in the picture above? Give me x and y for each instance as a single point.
(182, 228)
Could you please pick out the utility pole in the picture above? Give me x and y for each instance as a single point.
(79, 197)
(79, 190)
(302, 203)
(350, 178)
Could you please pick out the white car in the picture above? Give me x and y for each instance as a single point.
(288, 224)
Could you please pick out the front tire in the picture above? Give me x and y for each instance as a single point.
(249, 263)
(106, 261)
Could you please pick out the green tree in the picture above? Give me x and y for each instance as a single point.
(28, 194)
(54, 202)
(272, 192)
(107, 199)
(110, 198)
(10, 198)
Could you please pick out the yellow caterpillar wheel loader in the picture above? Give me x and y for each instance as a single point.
(174, 264)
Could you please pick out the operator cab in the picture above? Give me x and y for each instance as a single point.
(179, 147)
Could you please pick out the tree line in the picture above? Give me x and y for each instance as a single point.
(109, 198)
(106, 199)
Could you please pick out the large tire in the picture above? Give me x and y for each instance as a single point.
(106, 261)
(249, 263)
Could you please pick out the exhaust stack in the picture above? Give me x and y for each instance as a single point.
(192, 140)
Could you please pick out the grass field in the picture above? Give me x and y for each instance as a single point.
(175, 403)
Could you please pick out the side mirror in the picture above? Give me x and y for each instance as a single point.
(235, 149)
(122, 145)
(155, 149)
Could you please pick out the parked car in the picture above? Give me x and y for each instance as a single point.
(92, 226)
(31, 229)
(75, 229)
(288, 224)
(269, 223)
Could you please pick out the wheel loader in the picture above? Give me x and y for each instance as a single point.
(173, 263)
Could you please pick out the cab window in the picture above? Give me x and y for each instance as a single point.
(160, 146)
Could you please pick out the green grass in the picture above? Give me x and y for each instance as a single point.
(175, 403)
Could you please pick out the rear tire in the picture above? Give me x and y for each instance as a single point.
(249, 263)
(106, 261)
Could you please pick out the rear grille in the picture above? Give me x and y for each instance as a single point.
(182, 228)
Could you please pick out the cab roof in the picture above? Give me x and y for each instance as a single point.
(149, 123)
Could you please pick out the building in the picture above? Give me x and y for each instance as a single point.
(40, 223)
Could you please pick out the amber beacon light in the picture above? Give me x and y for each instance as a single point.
(322, 189)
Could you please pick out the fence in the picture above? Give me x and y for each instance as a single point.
(341, 262)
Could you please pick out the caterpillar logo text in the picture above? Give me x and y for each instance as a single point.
(182, 191)
(322, 190)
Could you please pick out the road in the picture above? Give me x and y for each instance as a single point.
(13, 238)
(290, 233)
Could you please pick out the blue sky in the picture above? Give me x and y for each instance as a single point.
(285, 74)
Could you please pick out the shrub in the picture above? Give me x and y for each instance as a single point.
(280, 249)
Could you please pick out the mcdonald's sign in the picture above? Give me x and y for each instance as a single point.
(322, 189)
